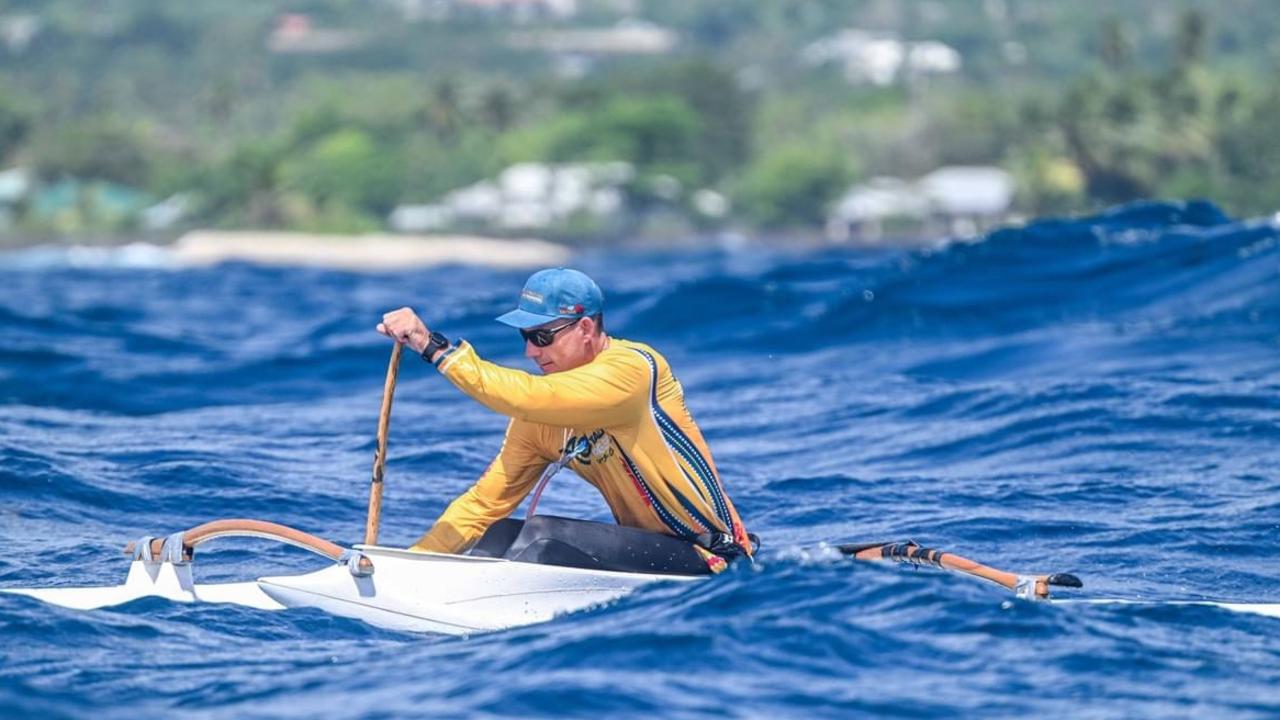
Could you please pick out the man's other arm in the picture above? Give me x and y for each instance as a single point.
(497, 493)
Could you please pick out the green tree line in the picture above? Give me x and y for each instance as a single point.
(334, 145)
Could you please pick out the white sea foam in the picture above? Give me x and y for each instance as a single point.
(132, 255)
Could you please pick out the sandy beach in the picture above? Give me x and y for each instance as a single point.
(363, 252)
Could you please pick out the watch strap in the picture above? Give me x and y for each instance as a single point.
(435, 342)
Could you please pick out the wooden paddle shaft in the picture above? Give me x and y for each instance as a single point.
(380, 455)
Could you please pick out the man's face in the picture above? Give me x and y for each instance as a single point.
(570, 344)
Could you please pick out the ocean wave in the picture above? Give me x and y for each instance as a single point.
(1092, 395)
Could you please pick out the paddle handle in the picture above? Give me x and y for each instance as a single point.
(380, 455)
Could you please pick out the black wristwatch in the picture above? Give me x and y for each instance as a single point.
(435, 341)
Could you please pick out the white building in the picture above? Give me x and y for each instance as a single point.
(167, 213)
(17, 31)
(956, 201)
(964, 190)
(296, 34)
(627, 37)
(15, 185)
(420, 218)
(527, 196)
(880, 59)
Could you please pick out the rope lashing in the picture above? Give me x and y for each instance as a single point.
(172, 552)
(142, 549)
(351, 558)
(1026, 588)
(910, 552)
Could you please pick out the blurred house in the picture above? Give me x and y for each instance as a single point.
(975, 192)
(420, 218)
(863, 212)
(73, 203)
(710, 204)
(527, 196)
(167, 213)
(296, 34)
(627, 37)
(525, 10)
(516, 11)
(879, 59)
(17, 31)
(15, 185)
(575, 52)
(957, 201)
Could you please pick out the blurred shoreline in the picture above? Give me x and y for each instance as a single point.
(385, 251)
(369, 252)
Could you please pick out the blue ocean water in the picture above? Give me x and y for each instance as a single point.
(1097, 396)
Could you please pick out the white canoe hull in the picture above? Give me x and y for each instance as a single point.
(453, 594)
(418, 592)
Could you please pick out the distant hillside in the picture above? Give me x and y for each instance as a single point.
(327, 114)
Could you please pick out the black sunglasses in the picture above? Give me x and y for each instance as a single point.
(542, 337)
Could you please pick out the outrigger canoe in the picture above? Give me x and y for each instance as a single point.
(503, 587)
(458, 594)
(436, 592)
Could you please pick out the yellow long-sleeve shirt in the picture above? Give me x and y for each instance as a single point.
(642, 449)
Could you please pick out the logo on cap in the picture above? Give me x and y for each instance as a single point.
(531, 296)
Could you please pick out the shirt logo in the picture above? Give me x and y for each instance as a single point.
(594, 448)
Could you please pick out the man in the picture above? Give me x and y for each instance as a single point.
(608, 408)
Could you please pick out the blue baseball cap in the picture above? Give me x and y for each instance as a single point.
(555, 293)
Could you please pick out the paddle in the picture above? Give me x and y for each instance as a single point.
(1025, 586)
(259, 528)
(380, 455)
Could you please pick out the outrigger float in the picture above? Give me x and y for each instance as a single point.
(495, 586)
